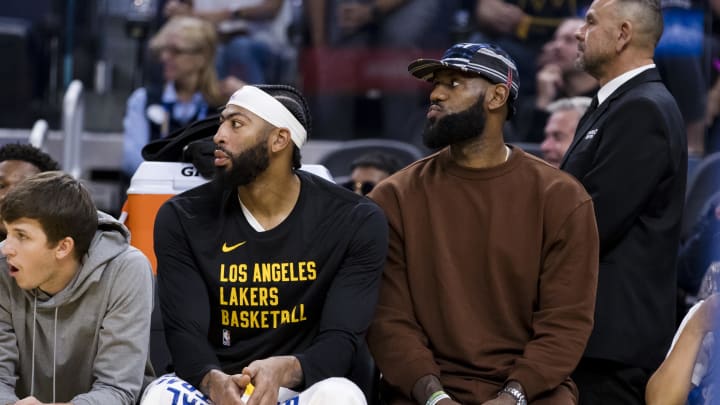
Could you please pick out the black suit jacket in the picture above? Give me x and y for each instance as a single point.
(631, 156)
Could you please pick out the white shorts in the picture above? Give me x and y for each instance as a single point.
(172, 390)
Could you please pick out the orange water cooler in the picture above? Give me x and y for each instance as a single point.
(152, 184)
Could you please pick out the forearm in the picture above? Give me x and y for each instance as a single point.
(387, 6)
(425, 387)
(671, 383)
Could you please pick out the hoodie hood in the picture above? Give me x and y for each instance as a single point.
(111, 239)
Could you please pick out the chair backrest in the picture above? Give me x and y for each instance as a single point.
(338, 161)
(704, 182)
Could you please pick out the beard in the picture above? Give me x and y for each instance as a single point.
(246, 166)
(592, 63)
(455, 128)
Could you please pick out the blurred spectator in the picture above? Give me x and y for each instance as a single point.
(679, 57)
(17, 163)
(713, 97)
(523, 27)
(253, 34)
(191, 90)
(682, 377)
(558, 76)
(701, 249)
(560, 128)
(370, 169)
(358, 60)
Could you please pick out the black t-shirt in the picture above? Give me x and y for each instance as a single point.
(308, 287)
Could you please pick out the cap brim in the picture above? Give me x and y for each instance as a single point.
(424, 69)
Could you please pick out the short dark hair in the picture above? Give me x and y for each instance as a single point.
(648, 15)
(294, 101)
(28, 153)
(61, 204)
(379, 160)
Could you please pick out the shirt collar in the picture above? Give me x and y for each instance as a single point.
(609, 88)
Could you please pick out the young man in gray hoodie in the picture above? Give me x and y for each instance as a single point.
(75, 299)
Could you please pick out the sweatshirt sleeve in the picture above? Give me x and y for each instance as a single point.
(8, 343)
(184, 300)
(563, 318)
(124, 338)
(396, 339)
(350, 301)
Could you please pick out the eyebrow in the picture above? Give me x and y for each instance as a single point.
(227, 116)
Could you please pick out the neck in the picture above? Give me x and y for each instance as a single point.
(482, 152)
(578, 83)
(64, 273)
(623, 66)
(272, 196)
(186, 87)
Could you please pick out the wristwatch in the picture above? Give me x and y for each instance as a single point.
(515, 393)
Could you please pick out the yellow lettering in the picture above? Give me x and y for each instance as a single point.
(222, 296)
(284, 316)
(233, 296)
(242, 270)
(223, 278)
(274, 293)
(311, 270)
(234, 320)
(257, 275)
(224, 317)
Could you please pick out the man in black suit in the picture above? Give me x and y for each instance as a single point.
(630, 153)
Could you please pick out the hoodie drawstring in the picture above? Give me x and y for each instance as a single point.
(54, 350)
(32, 357)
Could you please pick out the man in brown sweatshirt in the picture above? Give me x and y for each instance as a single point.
(489, 287)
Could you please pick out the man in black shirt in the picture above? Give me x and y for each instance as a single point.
(268, 275)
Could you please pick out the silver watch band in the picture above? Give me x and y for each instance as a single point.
(515, 393)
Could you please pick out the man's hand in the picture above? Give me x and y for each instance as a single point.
(29, 401)
(224, 389)
(549, 82)
(502, 399)
(499, 16)
(34, 401)
(268, 375)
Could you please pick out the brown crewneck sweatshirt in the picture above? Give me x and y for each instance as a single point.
(491, 276)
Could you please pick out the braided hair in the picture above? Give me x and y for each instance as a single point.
(291, 98)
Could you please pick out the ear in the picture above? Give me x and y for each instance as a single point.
(497, 96)
(64, 248)
(279, 139)
(625, 35)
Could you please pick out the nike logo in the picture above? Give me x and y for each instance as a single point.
(226, 248)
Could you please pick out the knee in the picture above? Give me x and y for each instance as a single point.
(169, 390)
(336, 390)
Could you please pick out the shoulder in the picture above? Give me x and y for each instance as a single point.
(131, 264)
(203, 199)
(327, 201)
(552, 181)
(138, 98)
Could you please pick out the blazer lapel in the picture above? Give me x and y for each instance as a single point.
(588, 120)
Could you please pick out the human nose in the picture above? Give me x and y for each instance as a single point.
(437, 94)
(6, 248)
(580, 33)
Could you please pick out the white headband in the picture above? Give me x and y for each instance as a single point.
(268, 108)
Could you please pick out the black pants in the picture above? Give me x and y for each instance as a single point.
(605, 382)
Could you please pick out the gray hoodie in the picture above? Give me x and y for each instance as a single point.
(89, 342)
